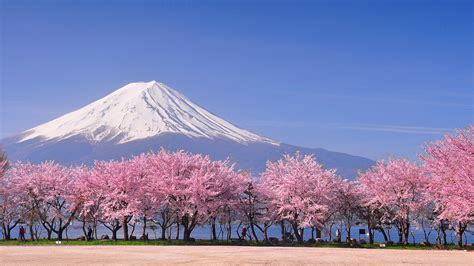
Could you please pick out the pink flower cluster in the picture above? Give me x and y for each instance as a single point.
(184, 190)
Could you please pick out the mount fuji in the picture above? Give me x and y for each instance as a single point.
(145, 116)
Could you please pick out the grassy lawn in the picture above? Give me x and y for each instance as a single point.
(211, 243)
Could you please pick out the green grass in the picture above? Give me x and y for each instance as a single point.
(211, 243)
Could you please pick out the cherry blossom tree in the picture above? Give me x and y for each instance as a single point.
(88, 199)
(197, 189)
(120, 188)
(46, 190)
(348, 203)
(398, 187)
(191, 189)
(426, 220)
(26, 201)
(159, 166)
(149, 197)
(300, 189)
(229, 185)
(9, 209)
(250, 207)
(373, 215)
(450, 163)
(9, 212)
(195, 186)
(56, 186)
(255, 208)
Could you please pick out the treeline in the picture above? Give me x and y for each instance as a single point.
(184, 190)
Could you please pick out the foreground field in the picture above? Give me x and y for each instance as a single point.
(228, 255)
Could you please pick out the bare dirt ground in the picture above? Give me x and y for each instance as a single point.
(224, 255)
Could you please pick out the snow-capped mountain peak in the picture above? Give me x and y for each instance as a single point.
(138, 111)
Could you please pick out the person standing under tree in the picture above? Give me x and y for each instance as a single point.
(89, 233)
(22, 233)
(244, 233)
(338, 236)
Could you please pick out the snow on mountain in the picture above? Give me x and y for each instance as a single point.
(138, 111)
(147, 116)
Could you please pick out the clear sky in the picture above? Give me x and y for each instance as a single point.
(372, 78)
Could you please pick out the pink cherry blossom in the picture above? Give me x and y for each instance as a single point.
(9, 200)
(49, 189)
(347, 203)
(450, 163)
(397, 187)
(300, 188)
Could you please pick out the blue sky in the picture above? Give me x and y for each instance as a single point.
(372, 78)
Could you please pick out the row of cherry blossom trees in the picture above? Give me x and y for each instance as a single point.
(163, 188)
(184, 190)
(436, 195)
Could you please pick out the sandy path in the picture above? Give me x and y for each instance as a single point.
(218, 255)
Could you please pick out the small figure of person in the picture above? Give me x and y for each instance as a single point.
(338, 236)
(22, 233)
(89, 233)
(244, 233)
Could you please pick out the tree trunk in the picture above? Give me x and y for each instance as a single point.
(265, 233)
(114, 227)
(114, 234)
(385, 237)
(133, 230)
(229, 231)
(84, 230)
(348, 231)
(125, 228)
(406, 232)
(400, 234)
(60, 233)
(188, 224)
(371, 236)
(186, 234)
(95, 230)
(318, 233)
(6, 232)
(163, 232)
(443, 232)
(460, 231)
(252, 227)
(330, 232)
(369, 228)
(283, 231)
(144, 229)
(177, 230)
(32, 234)
(213, 229)
(49, 232)
(296, 232)
(11, 227)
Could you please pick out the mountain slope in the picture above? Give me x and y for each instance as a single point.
(137, 111)
(146, 116)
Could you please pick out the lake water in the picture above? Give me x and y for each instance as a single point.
(204, 232)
